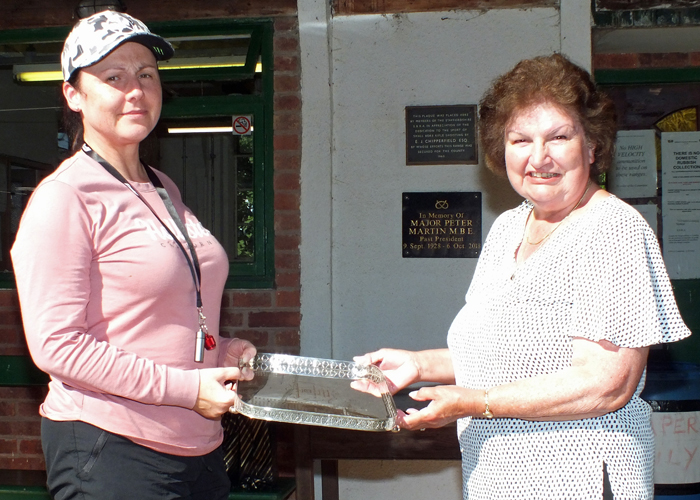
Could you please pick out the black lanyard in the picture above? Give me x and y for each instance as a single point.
(204, 339)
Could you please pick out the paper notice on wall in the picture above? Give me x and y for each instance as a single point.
(633, 174)
(650, 213)
(680, 203)
(677, 439)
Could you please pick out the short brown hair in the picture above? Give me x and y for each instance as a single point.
(547, 79)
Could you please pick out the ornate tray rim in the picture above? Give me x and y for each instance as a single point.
(323, 368)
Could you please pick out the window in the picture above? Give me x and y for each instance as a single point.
(221, 76)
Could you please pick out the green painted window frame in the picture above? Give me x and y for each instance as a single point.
(259, 273)
(684, 289)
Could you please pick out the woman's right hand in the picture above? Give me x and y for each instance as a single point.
(216, 393)
(400, 367)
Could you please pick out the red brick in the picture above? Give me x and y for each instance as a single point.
(287, 102)
(287, 260)
(287, 83)
(286, 182)
(8, 446)
(255, 337)
(225, 299)
(288, 298)
(287, 200)
(285, 24)
(28, 408)
(615, 61)
(287, 279)
(287, 242)
(287, 339)
(694, 59)
(231, 319)
(274, 319)
(664, 60)
(20, 428)
(23, 463)
(672, 60)
(225, 334)
(286, 142)
(288, 162)
(8, 298)
(287, 221)
(11, 336)
(675, 60)
(30, 447)
(251, 299)
(10, 318)
(285, 122)
(286, 44)
(286, 63)
(14, 350)
(7, 409)
(32, 393)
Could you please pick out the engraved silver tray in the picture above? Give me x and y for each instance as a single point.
(313, 391)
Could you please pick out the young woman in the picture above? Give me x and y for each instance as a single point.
(120, 288)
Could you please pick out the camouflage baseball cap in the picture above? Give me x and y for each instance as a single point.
(96, 36)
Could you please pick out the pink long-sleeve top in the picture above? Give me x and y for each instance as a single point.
(108, 306)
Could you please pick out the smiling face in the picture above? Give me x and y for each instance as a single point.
(548, 158)
(118, 97)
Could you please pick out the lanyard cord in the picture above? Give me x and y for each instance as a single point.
(193, 262)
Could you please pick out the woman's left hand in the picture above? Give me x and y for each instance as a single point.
(238, 354)
(447, 404)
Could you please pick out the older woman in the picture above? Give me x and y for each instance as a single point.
(547, 358)
(124, 318)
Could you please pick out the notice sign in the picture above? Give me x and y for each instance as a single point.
(446, 225)
(242, 125)
(441, 135)
(633, 174)
(680, 203)
(677, 460)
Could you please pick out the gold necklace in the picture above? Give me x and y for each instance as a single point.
(527, 238)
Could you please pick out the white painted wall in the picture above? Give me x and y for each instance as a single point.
(403, 479)
(358, 293)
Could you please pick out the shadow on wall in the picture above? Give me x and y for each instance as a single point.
(416, 479)
(497, 193)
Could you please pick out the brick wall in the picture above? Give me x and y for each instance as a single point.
(637, 61)
(269, 318)
(20, 443)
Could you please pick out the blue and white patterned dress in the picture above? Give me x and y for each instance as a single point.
(600, 276)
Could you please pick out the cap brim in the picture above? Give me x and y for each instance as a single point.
(161, 48)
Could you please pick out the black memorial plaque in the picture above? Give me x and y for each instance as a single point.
(446, 225)
(441, 135)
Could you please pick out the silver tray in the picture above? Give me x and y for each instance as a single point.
(313, 391)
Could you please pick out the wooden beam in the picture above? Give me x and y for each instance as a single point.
(20, 14)
(350, 7)
(645, 4)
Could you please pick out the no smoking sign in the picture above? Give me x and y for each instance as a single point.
(242, 125)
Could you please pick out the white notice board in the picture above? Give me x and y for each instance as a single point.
(633, 173)
(677, 441)
(680, 203)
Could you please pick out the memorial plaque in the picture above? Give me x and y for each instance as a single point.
(446, 225)
(441, 135)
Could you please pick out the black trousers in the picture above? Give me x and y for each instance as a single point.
(85, 462)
